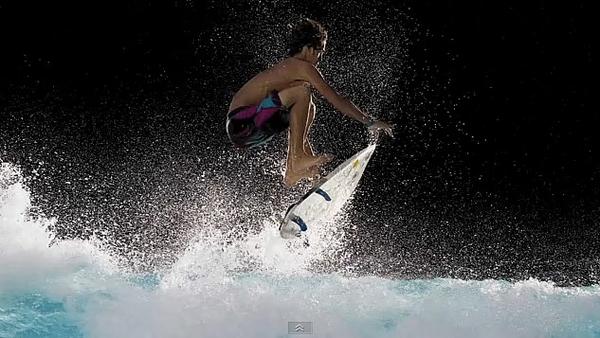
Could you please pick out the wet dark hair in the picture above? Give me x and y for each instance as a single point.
(306, 32)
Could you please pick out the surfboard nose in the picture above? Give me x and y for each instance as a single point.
(326, 199)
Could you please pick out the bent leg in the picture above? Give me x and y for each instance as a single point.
(298, 164)
(311, 117)
(298, 99)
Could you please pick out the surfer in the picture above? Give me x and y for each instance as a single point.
(280, 97)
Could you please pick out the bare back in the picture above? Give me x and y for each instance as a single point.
(283, 75)
(293, 72)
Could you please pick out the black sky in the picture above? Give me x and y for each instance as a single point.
(526, 68)
(529, 67)
(77, 77)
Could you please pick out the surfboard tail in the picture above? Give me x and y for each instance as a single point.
(324, 201)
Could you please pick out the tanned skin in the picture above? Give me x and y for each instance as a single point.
(293, 78)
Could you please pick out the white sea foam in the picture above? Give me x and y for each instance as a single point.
(252, 288)
(28, 261)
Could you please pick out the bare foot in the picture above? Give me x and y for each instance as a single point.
(300, 164)
(291, 177)
(308, 151)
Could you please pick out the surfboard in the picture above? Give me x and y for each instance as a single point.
(326, 199)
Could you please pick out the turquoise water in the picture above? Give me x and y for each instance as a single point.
(260, 306)
(75, 289)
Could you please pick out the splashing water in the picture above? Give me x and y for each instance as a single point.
(251, 288)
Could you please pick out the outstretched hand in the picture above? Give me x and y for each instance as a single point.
(381, 125)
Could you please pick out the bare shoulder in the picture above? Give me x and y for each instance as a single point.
(294, 68)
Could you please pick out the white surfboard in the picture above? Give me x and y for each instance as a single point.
(325, 200)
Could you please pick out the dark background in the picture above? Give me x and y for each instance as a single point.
(114, 112)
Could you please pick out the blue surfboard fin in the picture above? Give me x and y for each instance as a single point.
(324, 194)
(300, 222)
